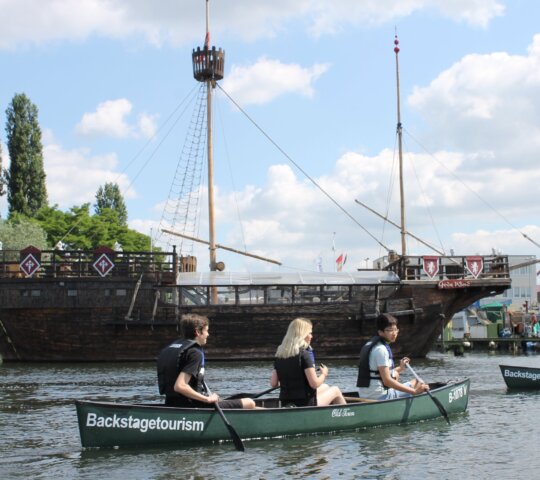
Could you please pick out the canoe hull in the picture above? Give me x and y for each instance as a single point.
(104, 424)
(521, 377)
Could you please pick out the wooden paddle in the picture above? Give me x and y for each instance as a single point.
(360, 400)
(234, 435)
(435, 400)
(252, 395)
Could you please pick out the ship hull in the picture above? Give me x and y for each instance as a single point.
(94, 326)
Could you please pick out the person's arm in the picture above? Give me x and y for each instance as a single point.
(402, 367)
(274, 380)
(182, 387)
(390, 382)
(312, 378)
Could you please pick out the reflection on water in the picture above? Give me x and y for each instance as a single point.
(40, 439)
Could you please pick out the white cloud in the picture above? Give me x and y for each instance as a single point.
(63, 166)
(487, 103)
(111, 120)
(290, 220)
(268, 79)
(180, 21)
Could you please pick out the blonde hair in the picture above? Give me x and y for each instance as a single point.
(295, 338)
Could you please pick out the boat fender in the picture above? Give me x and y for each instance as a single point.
(365, 375)
(168, 357)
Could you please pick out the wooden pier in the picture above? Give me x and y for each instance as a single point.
(512, 344)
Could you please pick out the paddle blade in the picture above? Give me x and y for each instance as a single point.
(437, 402)
(236, 438)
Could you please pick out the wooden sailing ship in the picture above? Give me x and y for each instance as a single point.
(124, 306)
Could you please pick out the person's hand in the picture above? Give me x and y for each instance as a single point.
(421, 388)
(404, 362)
(212, 398)
(324, 370)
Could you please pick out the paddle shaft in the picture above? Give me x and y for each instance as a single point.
(234, 435)
(252, 395)
(435, 400)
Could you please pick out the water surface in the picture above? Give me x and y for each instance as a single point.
(496, 437)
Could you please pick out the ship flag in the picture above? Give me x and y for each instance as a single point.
(475, 265)
(431, 266)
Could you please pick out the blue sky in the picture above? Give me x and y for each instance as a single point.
(319, 78)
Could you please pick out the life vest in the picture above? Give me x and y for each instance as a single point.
(168, 362)
(292, 379)
(365, 375)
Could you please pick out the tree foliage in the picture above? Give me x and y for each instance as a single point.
(80, 230)
(2, 175)
(110, 197)
(19, 232)
(27, 192)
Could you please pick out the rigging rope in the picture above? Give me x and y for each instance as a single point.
(485, 202)
(182, 208)
(312, 180)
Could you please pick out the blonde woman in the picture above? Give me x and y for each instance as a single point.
(294, 370)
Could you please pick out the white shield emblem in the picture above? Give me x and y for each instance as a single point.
(431, 266)
(475, 265)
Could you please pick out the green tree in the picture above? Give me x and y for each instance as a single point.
(2, 177)
(27, 192)
(109, 196)
(79, 230)
(19, 232)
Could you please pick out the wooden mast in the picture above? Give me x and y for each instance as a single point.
(210, 84)
(208, 67)
(400, 147)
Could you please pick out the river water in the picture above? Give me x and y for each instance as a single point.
(497, 436)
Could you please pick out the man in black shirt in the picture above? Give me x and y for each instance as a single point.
(181, 369)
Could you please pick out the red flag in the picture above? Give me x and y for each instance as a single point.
(207, 41)
(431, 266)
(475, 265)
(339, 263)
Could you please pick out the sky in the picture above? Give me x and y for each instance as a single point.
(319, 79)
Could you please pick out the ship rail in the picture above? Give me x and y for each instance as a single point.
(451, 268)
(81, 264)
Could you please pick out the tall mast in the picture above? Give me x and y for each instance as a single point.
(210, 84)
(400, 147)
(208, 67)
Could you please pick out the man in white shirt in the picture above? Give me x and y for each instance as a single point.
(377, 376)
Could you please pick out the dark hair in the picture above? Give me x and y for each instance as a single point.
(386, 320)
(192, 323)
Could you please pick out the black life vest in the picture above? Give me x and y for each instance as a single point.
(365, 375)
(292, 379)
(168, 365)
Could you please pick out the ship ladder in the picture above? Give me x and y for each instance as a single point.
(154, 310)
(135, 292)
(9, 340)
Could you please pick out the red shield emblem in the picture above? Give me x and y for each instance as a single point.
(475, 265)
(431, 266)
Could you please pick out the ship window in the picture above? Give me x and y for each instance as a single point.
(279, 294)
(72, 293)
(31, 293)
(335, 293)
(193, 296)
(121, 292)
(307, 294)
(251, 295)
(224, 295)
(107, 292)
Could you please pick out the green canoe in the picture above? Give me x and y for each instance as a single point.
(105, 424)
(521, 377)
